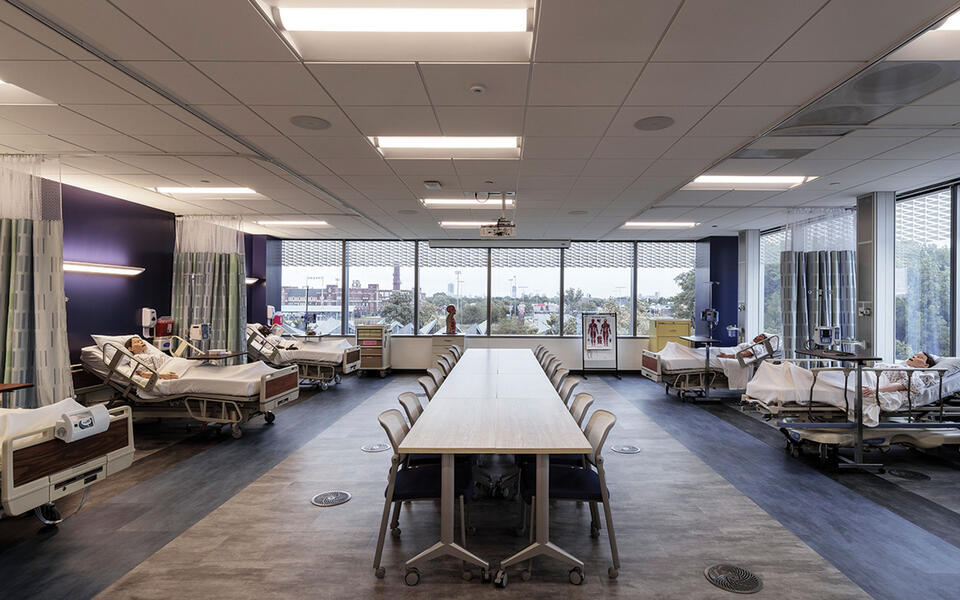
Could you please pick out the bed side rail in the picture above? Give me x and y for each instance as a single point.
(758, 352)
(265, 350)
(130, 380)
(179, 346)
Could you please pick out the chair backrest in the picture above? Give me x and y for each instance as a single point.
(452, 357)
(581, 404)
(411, 405)
(456, 351)
(444, 365)
(429, 387)
(566, 388)
(558, 376)
(539, 350)
(552, 366)
(545, 358)
(396, 428)
(437, 375)
(599, 425)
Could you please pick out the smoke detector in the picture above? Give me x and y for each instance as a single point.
(478, 89)
(309, 122)
(432, 185)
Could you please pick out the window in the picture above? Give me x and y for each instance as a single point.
(922, 282)
(665, 281)
(310, 285)
(771, 244)
(596, 278)
(525, 291)
(456, 276)
(381, 285)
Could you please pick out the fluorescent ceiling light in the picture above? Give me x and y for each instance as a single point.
(101, 269)
(465, 224)
(206, 190)
(446, 142)
(659, 224)
(465, 203)
(747, 182)
(952, 23)
(404, 20)
(294, 223)
(251, 280)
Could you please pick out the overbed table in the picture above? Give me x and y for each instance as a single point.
(707, 342)
(12, 387)
(496, 401)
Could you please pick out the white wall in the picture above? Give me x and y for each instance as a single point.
(416, 353)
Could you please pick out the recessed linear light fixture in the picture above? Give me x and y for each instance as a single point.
(447, 146)
(293, 223)
(72, 266)
(206, 190)
(465, 224)
(659, 225)
(465, 203)
(747, 182)
(404, 20)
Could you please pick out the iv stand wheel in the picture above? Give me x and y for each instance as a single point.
(412, 576)
(380, 572)
(613, 572)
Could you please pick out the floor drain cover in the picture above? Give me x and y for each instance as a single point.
(907, 474)
(375, 447)
(733, 579)
(625, 449)
(330, 498)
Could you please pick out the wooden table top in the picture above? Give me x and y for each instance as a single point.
(496, 401)
(208, 356)
(700, 339)
(12, 387)
(837, 355)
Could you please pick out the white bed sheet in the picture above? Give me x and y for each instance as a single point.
(318, 350)
(675, 357)
(785, 383)
(194, 378)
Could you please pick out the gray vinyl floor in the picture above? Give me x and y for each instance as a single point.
(674, 515)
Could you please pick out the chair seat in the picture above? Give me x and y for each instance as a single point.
(566, 483)
(424, 482)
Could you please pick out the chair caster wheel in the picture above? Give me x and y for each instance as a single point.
(412, 577)
(594, 532)
(525, 575)
(576, 576)
(613, 572)
(395, 532)
(269, 417)
(485, 576)
(380, 572)
(501, 579)
(467, 575)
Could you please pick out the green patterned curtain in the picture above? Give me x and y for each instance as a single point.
(33, 328)
(209, 282)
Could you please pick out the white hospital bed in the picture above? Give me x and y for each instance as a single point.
(321, 361)
(36, 468)
(682, 367)
(227, 395)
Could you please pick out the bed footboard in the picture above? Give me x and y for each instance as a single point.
(650, 366)
(39, 468)
(278, 388)
(351, 359)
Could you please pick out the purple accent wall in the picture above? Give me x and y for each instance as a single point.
(103, 229)
(717, 261)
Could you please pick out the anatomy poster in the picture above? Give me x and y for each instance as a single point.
(599, 341)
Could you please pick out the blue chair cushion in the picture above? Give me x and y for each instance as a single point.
(566, 483)
(418, 483)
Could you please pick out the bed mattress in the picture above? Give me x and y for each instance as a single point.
(677, 357)
(330, 351)
(194, 378)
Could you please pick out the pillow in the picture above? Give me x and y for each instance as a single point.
(119, 340)
(950, 363)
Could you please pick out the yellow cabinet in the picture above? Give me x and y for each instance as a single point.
(667, 330)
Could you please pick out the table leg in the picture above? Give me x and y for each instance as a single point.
(446, 546)
(706, 373)
(542, 546)
(857, 462)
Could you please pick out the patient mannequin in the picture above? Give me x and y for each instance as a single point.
(897, 381)
(138, 347)
(275, 339)
(746, 353)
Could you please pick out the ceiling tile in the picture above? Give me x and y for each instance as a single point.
(134, 120)
(425, 168)
(107, 143)
(17, 46)
(267, 83)
(357, 166)
(922, 116)
(183, 80)
(678, 167)
(690, 197)
(929, 148)
(338, 147)
(567, 121)
(559, 147)
(480, 120)
(53, 119)
(633, 147)
(63, 82)
(684, 84)
(581, 84)
(739, 120)
(37, 143)
(600, 167)
(684, 118)
(551, 167)
(487, 167)
(394, 120)
(857, 147)
(183, 143)
(615, 30)
(237, 118)
(279, 117)
(369, 84)
(785, 84)
(813, 167)
(704, 147)
(731, 30)
(449, 84)
(747, 166)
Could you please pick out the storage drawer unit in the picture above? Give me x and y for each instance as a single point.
(667, 330)
(442, 343)
(374, 343)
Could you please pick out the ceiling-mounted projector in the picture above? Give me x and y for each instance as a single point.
(505, 228)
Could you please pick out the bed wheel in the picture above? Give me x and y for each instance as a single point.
(48, 514)
(380, 572)
(337, 379)
(269, 417)
(383, 374)
(324, 386)
(576, 576)
(236, 431)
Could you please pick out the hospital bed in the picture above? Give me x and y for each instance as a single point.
(37, 468)
(682, 367)
(230, 395)
(321, 361)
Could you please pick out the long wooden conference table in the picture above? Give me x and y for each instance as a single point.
(496, 401)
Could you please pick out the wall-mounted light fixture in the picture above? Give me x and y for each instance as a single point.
(252, 280)
(72, 266)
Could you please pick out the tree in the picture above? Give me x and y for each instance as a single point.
(681, 304)
(428, 312)
(923, 312)
(622, 312)
(513, 326)
(399, 308)
(473, 313)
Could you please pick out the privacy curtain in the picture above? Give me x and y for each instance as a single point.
(209, 280)
(33, 320)
(818, 275)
